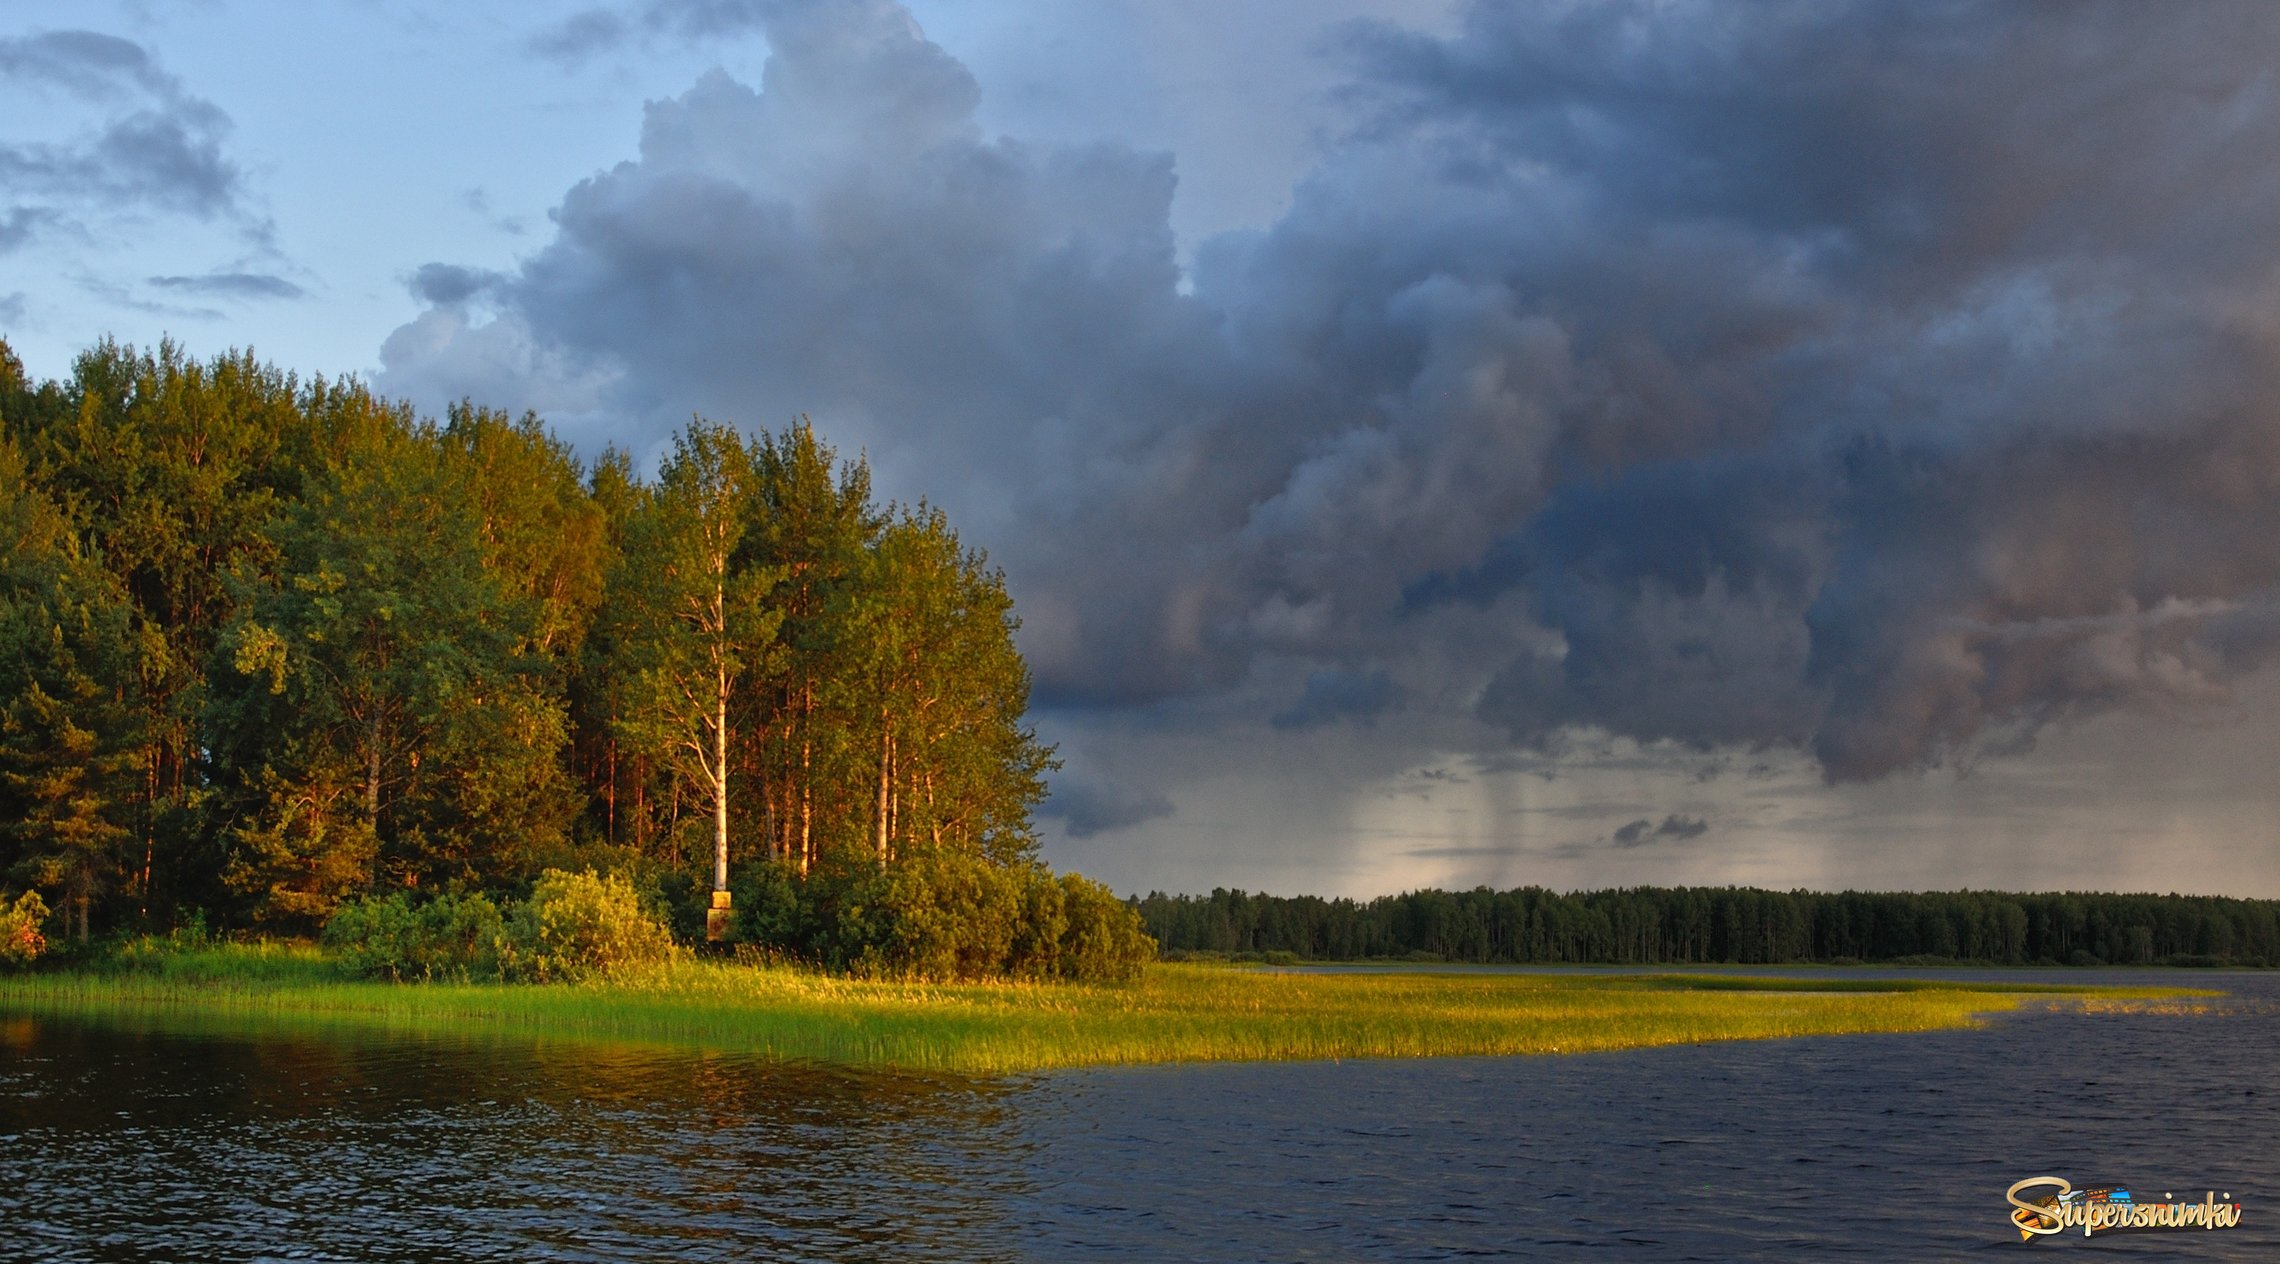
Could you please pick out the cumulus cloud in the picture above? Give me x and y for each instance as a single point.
(1882, 382)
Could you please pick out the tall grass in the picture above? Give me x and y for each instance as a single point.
(1174, 1013)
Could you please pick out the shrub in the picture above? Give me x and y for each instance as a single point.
(766, 898)
(577, 925)
(949, 915)
(20, 939)
(944, 915)
(1105, 940)
(446, 937)
(1044, 926)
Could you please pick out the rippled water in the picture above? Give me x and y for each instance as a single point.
(119, 1145)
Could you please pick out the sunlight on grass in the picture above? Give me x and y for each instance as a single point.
(1174, 1013)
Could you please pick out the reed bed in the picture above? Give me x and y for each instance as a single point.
(1174, 1013)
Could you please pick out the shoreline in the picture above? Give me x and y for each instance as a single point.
(1174, 1013)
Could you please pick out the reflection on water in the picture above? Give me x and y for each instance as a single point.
(121, 1144)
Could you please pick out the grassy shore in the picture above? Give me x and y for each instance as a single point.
(1174, 1013)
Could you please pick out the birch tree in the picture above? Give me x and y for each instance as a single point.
(690, 621)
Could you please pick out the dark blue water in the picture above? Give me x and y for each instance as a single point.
(119, 1145)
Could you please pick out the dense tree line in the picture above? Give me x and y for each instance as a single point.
(267, 645)
(1686, 925)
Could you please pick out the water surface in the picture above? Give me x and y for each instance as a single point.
(119, 1144)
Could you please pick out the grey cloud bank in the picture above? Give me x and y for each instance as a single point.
(1882, 383)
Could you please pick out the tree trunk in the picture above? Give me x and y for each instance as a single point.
(150, 826)
(720, 785)
(886, 750)
(807, 791)
(372, 776)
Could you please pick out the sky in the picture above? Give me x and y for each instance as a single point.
(1805, 445)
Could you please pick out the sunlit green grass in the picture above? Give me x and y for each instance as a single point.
(1174, 1013)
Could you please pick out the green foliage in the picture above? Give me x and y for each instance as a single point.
(69, 673)
(267, 645)
(1728, 924)
(401, 937)
(770, 910)
(20, 939)
(1105, 938)
(387, 692)
(945, 915)
(688, 621)
(579, 925)
(170, 472)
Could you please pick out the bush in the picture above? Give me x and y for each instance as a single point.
(766, 899)
(577, 925)
(1105, 940)
(1036, 952)
(20, 939)
(948, 915)
(446, 937)
(943, 915)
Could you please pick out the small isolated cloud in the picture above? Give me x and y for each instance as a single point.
(479, 202)
(247, 285)
(1503, 851)
(1087, 808)
(1674, 828)
(583, 34)
(446, 284)
(12, 308)
(1332, 695)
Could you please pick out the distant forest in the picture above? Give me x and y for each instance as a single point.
(1717, 925)
(270, 644)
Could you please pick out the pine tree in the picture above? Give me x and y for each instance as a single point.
(812, 520)
(68, 715)
(387, 705)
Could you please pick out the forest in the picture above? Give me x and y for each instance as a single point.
(272, 646)
(1739, 925)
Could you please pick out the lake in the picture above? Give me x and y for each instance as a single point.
(126, 1143)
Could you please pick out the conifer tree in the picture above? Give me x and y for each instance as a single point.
(387, 702)
(69, 720)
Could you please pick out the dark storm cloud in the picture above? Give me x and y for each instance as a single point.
(1087, 808)
(1881, 381)
(1331, 696)
(243, 285)
(158, 148)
